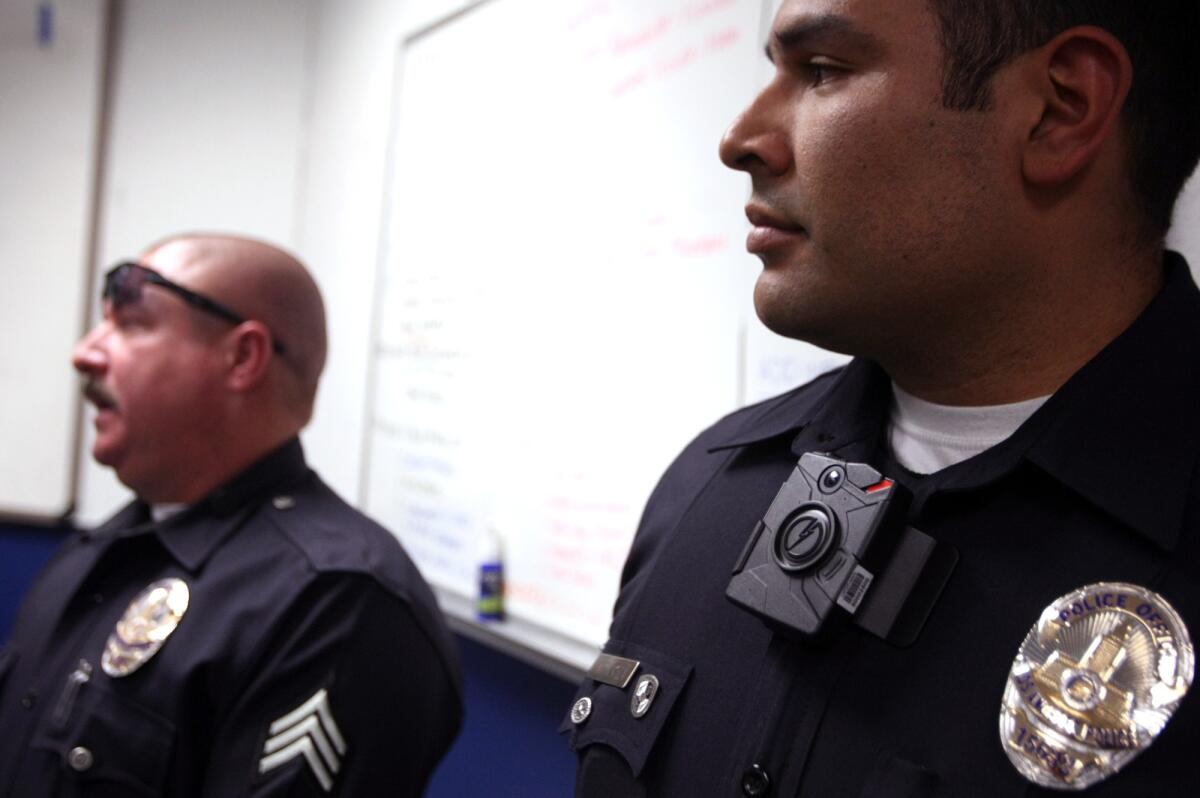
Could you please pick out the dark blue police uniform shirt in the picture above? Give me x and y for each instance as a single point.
(291, 591)
(1099, 485)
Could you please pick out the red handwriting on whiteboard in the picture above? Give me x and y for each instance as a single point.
(532, 594)
(722, 39)
(588, 12)
(699, 247)
(673, 61)
(627, 84)
(676, 61)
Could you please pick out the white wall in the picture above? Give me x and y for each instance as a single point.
(50, 98)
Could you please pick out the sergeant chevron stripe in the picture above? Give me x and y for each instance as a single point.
(309, 731)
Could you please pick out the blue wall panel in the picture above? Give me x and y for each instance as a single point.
(508, 747)
(23, 550)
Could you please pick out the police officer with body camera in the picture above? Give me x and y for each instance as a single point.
(237, 629)
(968, 563)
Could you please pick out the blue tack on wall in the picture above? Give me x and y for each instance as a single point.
(45, 25)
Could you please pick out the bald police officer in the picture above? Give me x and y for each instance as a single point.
(237, 629)
(971, 197)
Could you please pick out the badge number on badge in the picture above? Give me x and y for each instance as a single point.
(1094, 683)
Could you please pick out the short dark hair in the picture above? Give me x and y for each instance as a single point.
(1162, 37)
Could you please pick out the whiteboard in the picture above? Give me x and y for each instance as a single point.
(564, 298)
(51, 59)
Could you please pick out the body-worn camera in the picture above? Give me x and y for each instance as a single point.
(831, 528)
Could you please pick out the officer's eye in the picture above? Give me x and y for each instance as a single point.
(819, 72)
(127, 316)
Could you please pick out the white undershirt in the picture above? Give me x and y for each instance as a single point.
(161, 512)
(925, 437)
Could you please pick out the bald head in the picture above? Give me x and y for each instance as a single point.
(261, 283)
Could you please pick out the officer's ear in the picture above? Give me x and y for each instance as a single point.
(248, 355)
(1080, 80)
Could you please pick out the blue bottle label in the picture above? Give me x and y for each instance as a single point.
(491, 592)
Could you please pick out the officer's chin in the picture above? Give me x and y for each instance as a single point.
(109, 450)
(797, 321)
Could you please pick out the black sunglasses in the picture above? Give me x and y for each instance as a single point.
(123, 286)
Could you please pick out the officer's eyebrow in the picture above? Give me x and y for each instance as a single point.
(816, 32)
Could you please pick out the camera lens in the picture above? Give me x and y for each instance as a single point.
(831, 480)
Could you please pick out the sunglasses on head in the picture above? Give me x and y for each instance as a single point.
(123, 285)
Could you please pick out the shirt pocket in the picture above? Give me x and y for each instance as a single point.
(107, 745)
(619, 717)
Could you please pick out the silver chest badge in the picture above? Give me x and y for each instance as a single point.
(147, 623)
(1094, 683)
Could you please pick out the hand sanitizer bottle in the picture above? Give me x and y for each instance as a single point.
(490, 606)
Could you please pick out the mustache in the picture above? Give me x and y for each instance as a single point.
(98, 395)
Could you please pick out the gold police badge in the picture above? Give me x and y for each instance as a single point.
(1094, 683)
(147, 623)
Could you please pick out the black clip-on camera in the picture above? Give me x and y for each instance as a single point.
(836, 535)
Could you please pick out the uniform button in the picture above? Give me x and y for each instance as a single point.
(80, 758)
(97, 598)
(283, 502)
(29, 700)
(755, 782)
(581, 710)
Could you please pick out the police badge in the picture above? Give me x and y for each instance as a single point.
(1093, 684)
(147, 623)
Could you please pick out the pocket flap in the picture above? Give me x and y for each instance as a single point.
(628, 719)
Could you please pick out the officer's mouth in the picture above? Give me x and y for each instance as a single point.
(770, 231)
(99, 396)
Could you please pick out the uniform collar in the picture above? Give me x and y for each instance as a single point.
(1123, 432)
(847, 409)
(194, 534)
(278, 469)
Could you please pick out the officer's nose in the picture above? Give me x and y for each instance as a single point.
(758, 142)
(90, 356)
